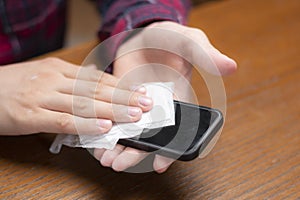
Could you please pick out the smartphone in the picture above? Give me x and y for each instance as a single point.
(194, 128)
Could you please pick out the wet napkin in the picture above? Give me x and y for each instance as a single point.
(162, 114)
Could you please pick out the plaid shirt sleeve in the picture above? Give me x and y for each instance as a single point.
(30, 27)
(123, 15)
(120, 15)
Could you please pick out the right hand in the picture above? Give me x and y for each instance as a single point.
(39, 96)
(141, 58)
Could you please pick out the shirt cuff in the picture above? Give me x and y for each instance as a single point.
(136, 17)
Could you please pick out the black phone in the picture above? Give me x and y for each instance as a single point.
(194, 128)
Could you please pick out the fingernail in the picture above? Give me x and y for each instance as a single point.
(145, 101)
(133, 111)
(104, 124)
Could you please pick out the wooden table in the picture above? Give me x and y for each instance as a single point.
(258, 154)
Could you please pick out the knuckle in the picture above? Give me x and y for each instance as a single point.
(51, 60)
(98, 90)
(95, 77)
(64, 123)
(118, 95)
(114, 112)
(134, 99)
(81, 104)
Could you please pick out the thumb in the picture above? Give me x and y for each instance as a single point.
(225, 65)
(204, 55)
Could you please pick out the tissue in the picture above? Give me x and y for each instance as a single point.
(162, 114)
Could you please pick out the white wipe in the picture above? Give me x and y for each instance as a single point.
(162, 114)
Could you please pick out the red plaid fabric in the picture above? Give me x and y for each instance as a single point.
(32, 27)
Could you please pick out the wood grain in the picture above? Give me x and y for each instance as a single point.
(257, 156)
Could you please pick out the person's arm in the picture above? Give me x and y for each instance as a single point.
(120, 15)
(164, 31)
(55, 96)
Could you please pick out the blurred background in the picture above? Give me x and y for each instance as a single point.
(84, 21)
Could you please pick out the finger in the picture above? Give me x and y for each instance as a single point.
(98, 153)
(128, 158)
(191, 44)
(91, 66)
(89, 108)
(225, 64)
(109, 156)
(92, 75)
(89, 73)
(203, 54)
(161, 163)
(107, 93)
(58, 122)
(85, 73)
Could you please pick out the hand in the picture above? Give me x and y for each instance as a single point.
(171, 46)
(54, 96)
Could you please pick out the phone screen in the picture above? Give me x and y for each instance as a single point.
(194, 125)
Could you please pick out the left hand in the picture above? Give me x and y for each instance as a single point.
(146, 65)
